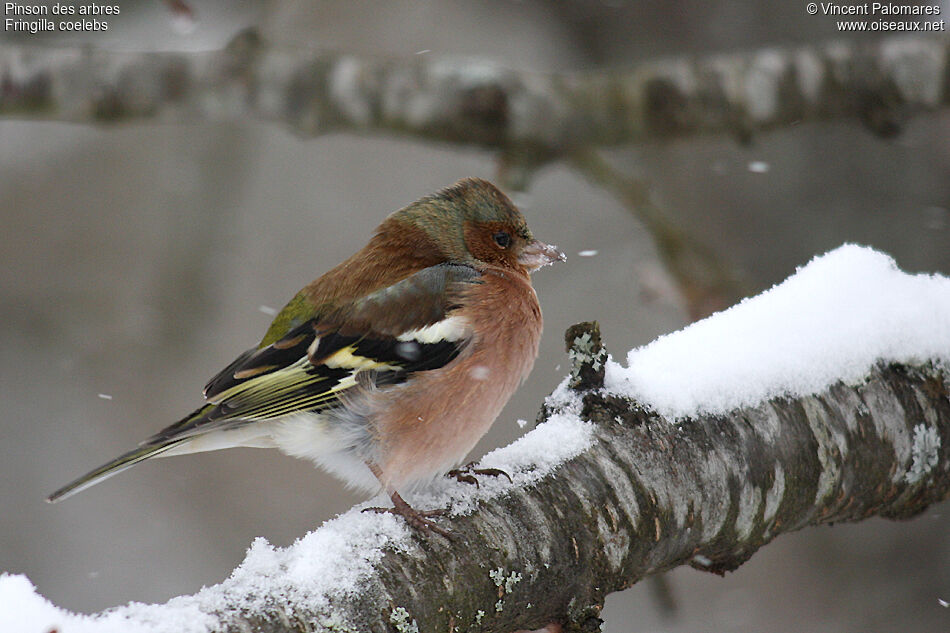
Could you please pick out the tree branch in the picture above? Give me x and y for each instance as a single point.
(646, 494)
(532, 117)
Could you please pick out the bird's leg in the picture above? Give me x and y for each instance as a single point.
(418, 519)
(466, 474)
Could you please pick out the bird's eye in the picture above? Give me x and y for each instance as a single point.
(502, 239)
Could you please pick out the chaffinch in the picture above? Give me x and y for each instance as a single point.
(390, 367)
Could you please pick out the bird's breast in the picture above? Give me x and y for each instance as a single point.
(430, 423)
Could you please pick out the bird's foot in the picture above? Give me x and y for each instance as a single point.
(417, 519)
(466, 474)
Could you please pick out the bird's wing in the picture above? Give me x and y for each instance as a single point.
(407, 327)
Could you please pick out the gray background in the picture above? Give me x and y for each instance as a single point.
(134, 259)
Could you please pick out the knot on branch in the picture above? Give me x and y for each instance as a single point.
(242, 51)
(585, 619)
(587, 354)
(881, 107)
(33, 93)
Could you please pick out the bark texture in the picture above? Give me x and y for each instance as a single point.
(533, 117)
(649, 495)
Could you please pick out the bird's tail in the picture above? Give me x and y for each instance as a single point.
(116, 466)
(169, 438)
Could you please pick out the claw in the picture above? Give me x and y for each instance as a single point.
(463, 477)
(466, 474)
(417, 519)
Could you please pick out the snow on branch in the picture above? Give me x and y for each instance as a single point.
(532, 116)
(825, 399)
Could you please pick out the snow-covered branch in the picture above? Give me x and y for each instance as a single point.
(533, 117)
(825, 399)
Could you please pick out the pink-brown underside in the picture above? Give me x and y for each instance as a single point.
(423, 435)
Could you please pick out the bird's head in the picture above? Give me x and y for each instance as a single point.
(474, 223)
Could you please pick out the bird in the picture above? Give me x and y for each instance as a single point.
(386, 370)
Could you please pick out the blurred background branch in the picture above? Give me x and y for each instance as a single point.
(706, 282)
(531, 118)
(540, 117)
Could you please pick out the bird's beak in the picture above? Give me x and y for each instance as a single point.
(537, 254)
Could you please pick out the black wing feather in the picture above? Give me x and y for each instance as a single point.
(293, 375)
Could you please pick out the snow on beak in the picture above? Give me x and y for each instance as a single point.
(537, 254)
